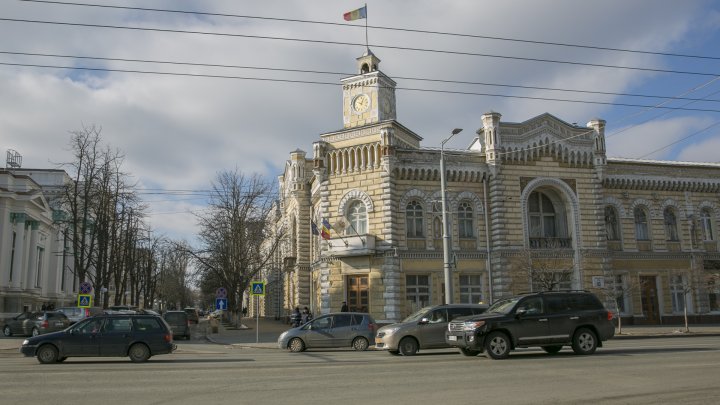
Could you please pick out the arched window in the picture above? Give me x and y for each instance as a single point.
(465, 220)
(357, 218)
(670, 225)
(612, 230)
(542, 216)
(437, 228)
(706, 225)
(641, 225)
(414, 219)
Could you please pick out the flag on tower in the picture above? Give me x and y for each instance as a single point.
(326, 227)
(356, 14)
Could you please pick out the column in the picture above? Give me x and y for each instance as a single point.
(31, 267)
(18, 260)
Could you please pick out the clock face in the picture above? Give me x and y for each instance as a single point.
(361, 103)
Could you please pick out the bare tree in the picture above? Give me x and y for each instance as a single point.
(616, 293)
(237, 233)
(545, 270)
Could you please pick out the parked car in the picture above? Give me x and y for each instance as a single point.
(424, 329)
(193, 314)
(76, 314)
(35, 323)
(342, 329)
(179, 323)
(109, 335)
(549, 320)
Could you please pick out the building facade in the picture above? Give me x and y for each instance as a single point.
(35, 266)
(532, 205)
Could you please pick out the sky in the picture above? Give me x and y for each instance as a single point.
(177, 130)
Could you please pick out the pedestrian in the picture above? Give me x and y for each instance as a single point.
(344, 307)
(295, 317)
(306, 315)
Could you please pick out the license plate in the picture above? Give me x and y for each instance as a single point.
(452, 338)
(58, 324)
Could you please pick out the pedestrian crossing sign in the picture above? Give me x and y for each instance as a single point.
(257, 288)
(84, 300)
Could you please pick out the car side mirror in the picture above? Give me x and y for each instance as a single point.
(520, 312)
(424, 321)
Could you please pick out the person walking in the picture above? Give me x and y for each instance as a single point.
(306, 315)
(344, 307)
(295, 317)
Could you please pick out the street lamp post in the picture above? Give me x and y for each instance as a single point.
(446, 234)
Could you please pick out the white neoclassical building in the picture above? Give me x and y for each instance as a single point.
(35, 266)
(642, 234)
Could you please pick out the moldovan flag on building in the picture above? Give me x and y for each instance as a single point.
(356, 14)
(325, 229)
(314, 228)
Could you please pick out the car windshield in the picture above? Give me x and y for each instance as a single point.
(503, 306)
(417, 315)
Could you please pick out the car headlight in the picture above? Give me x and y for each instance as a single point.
(472, 325)
(389, 331)
(26, 342)
(282, 335)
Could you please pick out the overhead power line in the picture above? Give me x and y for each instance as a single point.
(377, 27)
(445, 81)
(468, 93)
(441, 51)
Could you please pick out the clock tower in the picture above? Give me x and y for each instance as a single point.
(369, 96)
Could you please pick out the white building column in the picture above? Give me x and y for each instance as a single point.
(32, 256)
(19, 254)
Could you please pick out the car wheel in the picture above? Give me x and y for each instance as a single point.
(7, 331)
(360, 344)
(47, 354)
(552, 349)
(61, 359)
(469, 352)
(138, 353)
(35, 332)
(584, 341)
(296, 345)
(408, 346)
(497, 345)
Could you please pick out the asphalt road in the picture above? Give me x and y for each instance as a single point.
(652, 371)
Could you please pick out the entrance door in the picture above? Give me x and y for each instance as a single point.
(649, 298)
(358, 296)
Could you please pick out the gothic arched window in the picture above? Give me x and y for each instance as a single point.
(670, 225)
(542, 216)
(641, 224)
(465, 220)
(706, 225)
(612, 230)
(357, 218)
(414, 219)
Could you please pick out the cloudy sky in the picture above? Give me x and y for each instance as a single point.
(282, 61)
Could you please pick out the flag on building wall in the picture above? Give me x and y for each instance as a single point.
(325, 229)
(356, 14)
(314, 228)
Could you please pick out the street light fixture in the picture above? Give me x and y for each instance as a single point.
(446, 234)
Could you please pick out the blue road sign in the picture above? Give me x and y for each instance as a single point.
(221, 303)
(257, 288)
(221, 292)
(85, 287)
(84, 300)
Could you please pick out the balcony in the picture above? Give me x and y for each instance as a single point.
(551, 243)
(358, 245)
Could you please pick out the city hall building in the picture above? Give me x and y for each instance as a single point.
(527, 202)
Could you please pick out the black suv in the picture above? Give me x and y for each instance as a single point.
(549, 320)
(114, 335)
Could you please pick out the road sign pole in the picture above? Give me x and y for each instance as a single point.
(257, 319)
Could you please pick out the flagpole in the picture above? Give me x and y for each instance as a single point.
(367, 44)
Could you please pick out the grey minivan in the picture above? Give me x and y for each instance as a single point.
(179, 323)
(342, 329)
(424, 329)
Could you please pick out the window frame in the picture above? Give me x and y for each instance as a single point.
(642, 228)
(357, 218)
(466, 221)
(414, 220)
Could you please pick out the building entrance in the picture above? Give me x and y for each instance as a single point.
(358, 293)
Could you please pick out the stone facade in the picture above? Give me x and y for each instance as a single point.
(526, 201)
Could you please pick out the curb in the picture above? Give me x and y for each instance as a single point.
(666, 335)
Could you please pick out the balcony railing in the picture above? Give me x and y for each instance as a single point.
(550, 243)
